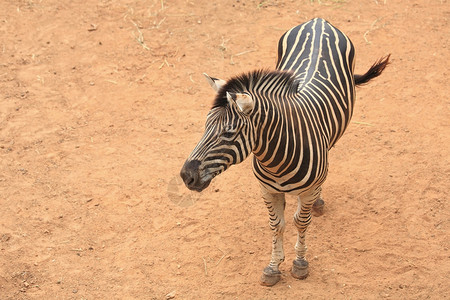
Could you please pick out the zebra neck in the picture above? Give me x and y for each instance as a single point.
(278, 127)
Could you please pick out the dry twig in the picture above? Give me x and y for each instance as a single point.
(140, 38)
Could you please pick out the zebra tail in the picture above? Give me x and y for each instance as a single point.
(375, 70)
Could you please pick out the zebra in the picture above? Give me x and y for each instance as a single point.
(289, 118)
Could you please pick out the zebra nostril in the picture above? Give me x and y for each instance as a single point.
(189, 173)
(189, 181)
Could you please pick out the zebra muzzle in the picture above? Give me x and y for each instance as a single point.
(190, 173)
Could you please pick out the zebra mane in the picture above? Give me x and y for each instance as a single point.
(252, 81)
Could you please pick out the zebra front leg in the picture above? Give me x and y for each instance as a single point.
(302, 218)
(275, 204)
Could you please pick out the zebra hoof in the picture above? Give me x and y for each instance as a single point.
(270, 277)
(318, 207)
(299, 269)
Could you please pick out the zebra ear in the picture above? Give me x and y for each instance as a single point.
(215, 83)
(244, 102)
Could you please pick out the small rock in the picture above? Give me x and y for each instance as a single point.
(171, 295)
(384, 294)
(93, 27)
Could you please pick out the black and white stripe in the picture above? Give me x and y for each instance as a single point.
(322, 61)
(289, 119)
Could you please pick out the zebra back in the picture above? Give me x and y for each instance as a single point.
(322, 60)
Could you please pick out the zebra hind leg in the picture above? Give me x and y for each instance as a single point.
(318, 207)
(302, 218)
(275, 204)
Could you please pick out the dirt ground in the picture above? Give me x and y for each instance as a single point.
(102, 101)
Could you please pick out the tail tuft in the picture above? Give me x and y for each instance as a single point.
(375, 70)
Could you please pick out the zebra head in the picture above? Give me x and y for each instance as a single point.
(228, 138)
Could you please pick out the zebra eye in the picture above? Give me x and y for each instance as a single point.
(228, 132)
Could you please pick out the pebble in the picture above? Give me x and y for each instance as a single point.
(171, 295)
